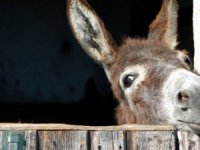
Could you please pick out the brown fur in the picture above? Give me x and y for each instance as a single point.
(159, 61)
(164, 27)
(156, 53)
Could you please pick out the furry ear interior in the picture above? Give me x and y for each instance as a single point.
(90, 32)
(164, 27)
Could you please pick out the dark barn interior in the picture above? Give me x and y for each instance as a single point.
(45, 77)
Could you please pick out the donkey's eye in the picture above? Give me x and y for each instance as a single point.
(128, 80)
(187, 61)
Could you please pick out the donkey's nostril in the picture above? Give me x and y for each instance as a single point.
(184, 109)
(183, 96)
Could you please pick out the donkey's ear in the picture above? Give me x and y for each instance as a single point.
(90, 32)
(164, 27)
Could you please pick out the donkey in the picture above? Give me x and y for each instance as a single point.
(152, 81)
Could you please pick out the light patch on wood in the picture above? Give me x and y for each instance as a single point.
(196, 33)
(110, 140)
(61, 127)
(151, 140)
(188, 140)
(31, 140)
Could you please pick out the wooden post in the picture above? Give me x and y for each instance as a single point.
(196, 33)
(188, 141)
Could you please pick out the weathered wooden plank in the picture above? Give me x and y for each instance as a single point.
(31, 140)
(77, 140)
(151, 140)
(188, 140)
(1, 139)
(13, 140)
(62, 127)
(196, 34)
(108, 140)
(62, 140)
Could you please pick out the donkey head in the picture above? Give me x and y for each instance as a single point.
(151, 80)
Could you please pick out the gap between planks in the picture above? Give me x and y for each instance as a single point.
(60, 127)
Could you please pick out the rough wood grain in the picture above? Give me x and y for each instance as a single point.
(13, 140)
(108, 140)
(188, 141)
(61, 140)
(1, 135)
(77, 140)
(31, 140)
(62, 127)
(151, 140)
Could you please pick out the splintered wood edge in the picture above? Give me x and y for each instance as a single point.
(67, 127)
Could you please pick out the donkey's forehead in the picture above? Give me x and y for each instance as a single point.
(136, 50)
(144, 48)
(147, 53)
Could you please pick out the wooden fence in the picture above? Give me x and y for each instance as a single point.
(70, 137)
